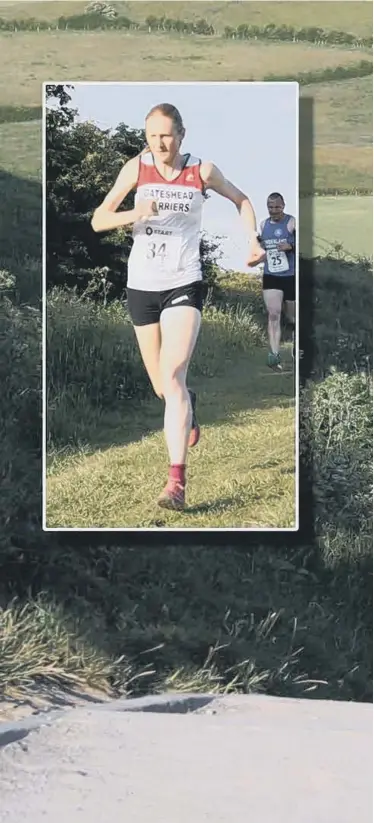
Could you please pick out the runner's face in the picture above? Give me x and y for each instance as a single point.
(275, 208)
(162, 137)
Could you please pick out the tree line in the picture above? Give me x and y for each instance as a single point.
(98, 20)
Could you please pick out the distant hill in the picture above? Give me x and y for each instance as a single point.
(354, 17)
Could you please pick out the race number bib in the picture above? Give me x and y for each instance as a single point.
(158, 251)
(277, 261)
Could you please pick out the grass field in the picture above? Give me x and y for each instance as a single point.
(344, 220)
(31, 58)
(21, 149)
(355, 17)
(356, 158)
(343, 111)
(337, 176)
(241, 475)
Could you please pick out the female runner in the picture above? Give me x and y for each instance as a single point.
(164, 285)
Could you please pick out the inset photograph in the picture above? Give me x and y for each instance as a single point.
(170, 341)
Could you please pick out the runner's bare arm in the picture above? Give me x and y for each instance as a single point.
(283, 245)
(105, 216)
(215, 180)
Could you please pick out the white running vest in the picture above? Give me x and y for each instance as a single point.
(166, 248)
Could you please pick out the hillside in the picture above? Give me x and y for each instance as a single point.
(354, 17)
(289, 615)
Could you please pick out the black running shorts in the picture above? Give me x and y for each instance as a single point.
(285, 284)
(145, 307)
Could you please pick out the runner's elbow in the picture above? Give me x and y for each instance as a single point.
(96, 220)
(243, 200)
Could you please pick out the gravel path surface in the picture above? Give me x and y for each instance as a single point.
(238, 759)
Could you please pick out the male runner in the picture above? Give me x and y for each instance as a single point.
(277, 236)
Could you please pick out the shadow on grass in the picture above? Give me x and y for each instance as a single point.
(144, 419)
(20, 235)
(210, 507)
(235, 501)
(232, 502)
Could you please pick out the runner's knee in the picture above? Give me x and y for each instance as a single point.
(274, 315)
(174, 378)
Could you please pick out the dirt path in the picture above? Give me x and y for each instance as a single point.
(236, 759)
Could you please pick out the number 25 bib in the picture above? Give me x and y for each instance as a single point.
(277, 261)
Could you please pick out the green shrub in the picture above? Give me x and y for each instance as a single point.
(309, 34)
(342, 324)
(363, 68)
(337, 418)
(93, 363)
(20, 418)
(20, 114)
(94, 21)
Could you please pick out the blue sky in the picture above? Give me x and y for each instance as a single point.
(248, 130)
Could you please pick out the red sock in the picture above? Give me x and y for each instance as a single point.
(177, 472)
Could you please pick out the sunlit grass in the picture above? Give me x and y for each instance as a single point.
(108, 465)
(30, 58)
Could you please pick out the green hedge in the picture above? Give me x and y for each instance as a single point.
(289, 33)
(91, 22)
(338, 192)
(201, 26)
(363, 68)
(20, 114)
(30, 24)
(82, 22)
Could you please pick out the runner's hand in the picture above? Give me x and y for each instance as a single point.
(146, 209)
(284, 246)
(256, 254)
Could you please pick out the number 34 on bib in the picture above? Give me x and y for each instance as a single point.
(160, 252)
